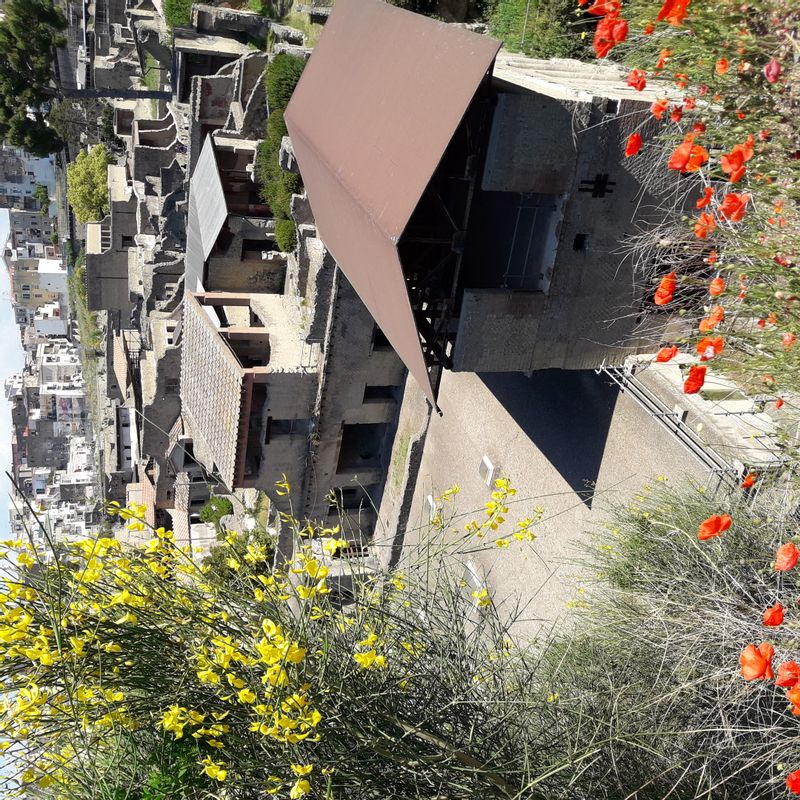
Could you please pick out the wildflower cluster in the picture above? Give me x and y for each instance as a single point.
(731, 65)
(114, 658)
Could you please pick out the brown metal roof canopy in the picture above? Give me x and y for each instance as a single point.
(378, 103)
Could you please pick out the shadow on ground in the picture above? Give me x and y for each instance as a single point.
(566, 414)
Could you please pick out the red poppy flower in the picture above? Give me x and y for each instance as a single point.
(659, 107)
(610, 31)
(793, 782)
(788, 675)
(779, 403)
(756, 662)
(786, 557)
(782, 261)
(722, 66)
(715, 524)
(772, 71)
(649, 28)
(698, 127)
(704, 225)
(733, 165)
(676, 114)
(692, 385)
(663, 57)
(749, 480)
(666, 288)
(712, 258)
(708, 193)
(673, 11)
(733, 206)
(716, 287)
(689, 103)
(788, 340)
(712, 320)
(633, 145)
(601, 8)
(666, 354)
(710, 347)
(638, 79)
(688, 157)
(740, 114)
(773, 616)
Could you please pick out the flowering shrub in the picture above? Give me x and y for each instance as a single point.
(727, 126)
(123, 667)
(687, 603)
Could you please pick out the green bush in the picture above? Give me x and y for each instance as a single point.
(265, 8)
(178, 12)
(87, 184)
(277, 185)
(282, 75)
(285, 235)
(215, 509)
(539, 29)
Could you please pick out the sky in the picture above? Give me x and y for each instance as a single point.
(12, 359)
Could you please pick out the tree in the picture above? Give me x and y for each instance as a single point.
(42, 196)
(87, 184)
(29, 34)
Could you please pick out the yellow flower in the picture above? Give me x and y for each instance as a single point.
(502, 543)
(316, 570)
(208, 676)
(369, 659)
(482, 596)
(330, 546)
(302, 769)
(283, 487)
(246, 696)
(301, 788)
(78, 645)
(237, 683)
(127, 617)
(216, 771)
(25, 560)
(306, 592)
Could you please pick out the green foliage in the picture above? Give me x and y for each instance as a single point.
(152, 72)
(264, 7)
(538, 28)
(221, 572)
(178, 12)
(42, 196)
(283, 73)
(87, 184)
(215, 509)
(285, 235)
(173, 773)
(29, 33)
(278, 185)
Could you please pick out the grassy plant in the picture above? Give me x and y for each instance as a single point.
(415, 688)
(656, 653)
(177, 12)
(152, 72)
(539, 28)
